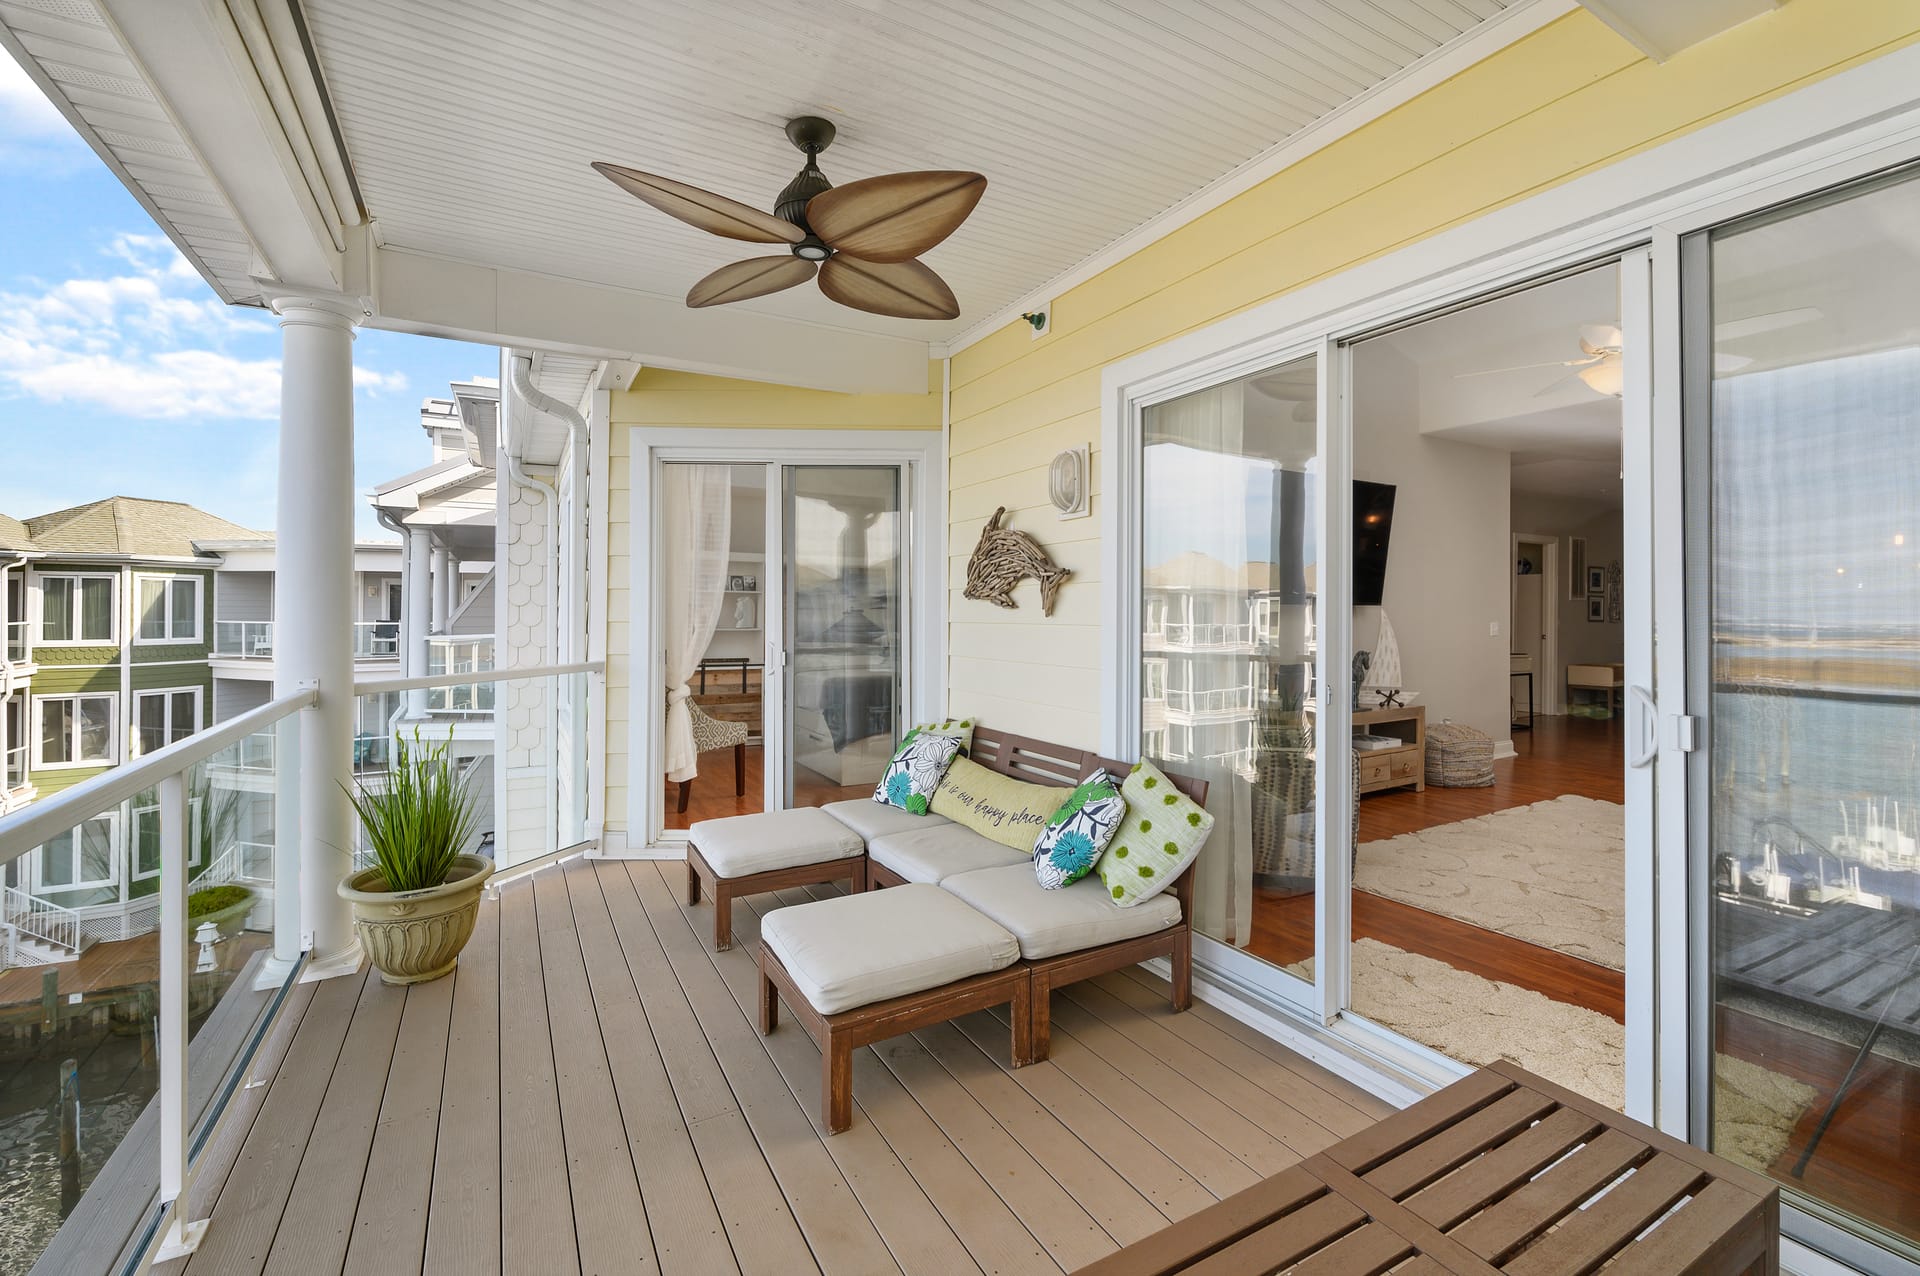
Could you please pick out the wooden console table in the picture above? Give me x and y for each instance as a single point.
(1499, 1172)
(1397, 767)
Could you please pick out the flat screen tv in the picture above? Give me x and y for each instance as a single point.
(1372, 527)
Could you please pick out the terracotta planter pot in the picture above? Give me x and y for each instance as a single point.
(415, 936)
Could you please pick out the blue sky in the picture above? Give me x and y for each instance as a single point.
(122, 374)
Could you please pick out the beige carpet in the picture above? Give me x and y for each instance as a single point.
(1480, 1021)
(1552, 874)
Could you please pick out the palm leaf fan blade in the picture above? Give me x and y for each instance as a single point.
(715, 214)
(896, 217)
(903, 289)
(754, 277)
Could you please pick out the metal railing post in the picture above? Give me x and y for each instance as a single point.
(182, 1236)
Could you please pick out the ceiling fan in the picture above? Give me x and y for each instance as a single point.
(861, 239)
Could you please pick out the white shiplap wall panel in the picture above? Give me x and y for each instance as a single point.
(1089, 117)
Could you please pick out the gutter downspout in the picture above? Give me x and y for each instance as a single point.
(520, 377)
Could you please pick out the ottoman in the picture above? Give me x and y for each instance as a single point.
(860, 968)
(749, 854)
(1459, 757)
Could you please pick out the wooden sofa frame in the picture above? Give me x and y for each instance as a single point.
(725, 890)
(1039, 762)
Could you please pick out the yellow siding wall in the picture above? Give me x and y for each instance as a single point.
(659, 398)
(1571, 98)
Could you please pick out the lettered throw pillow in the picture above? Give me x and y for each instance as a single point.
(1160, 835)
(914, 773)
(1070, 845)
(1011, 812)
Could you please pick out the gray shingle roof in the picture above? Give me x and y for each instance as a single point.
(132, 527)
(14, 536)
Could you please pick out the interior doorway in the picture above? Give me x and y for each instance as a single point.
(1534, 623)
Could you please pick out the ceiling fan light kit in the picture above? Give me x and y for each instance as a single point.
(861, 241)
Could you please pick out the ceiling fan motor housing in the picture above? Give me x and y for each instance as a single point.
(811, 134)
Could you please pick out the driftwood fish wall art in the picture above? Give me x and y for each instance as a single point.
(1003, 559)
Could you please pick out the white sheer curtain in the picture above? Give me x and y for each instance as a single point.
(698, 517)
(1197, 537)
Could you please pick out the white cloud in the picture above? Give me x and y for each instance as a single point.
(33, 133)
(149, 342)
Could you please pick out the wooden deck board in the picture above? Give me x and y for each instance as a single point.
(463, 1212)
(536, 1206)
(589, 1092)
(901, 1207)
(610, 1222)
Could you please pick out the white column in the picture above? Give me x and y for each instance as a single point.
(416, 591)
(313, 585)
(442, 590)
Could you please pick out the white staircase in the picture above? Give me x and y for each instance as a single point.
(38, 933)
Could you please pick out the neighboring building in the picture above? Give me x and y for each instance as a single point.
(109, 627)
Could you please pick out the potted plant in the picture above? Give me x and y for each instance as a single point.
(415, 907)
(226, 906)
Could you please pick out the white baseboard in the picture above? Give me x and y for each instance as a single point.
(1504, 749)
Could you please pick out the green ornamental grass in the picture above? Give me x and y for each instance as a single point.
(420, 819)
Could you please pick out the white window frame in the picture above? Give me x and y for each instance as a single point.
(1847, 126)
(139, 810)
(199, 712)
(42, 887)
(40, 763)
(168, 580)
(38, 627)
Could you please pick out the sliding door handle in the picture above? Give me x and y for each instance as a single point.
(1643, 727)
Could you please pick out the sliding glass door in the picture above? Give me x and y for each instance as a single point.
(844, 663)
(1230, 489)
(1804, 458)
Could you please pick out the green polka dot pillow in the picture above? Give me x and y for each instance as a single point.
(1160, 835)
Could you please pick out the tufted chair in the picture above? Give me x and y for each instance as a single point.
(715, 733)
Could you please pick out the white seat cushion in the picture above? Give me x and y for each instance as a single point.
(740, 845)
(1048, 923)
(871, 819)
(855, 950)
(934, 854)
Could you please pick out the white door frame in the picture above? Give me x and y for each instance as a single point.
(924, 495)
(1548, 692)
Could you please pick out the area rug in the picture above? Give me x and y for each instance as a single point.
(1481, 1021)
(1553, 874)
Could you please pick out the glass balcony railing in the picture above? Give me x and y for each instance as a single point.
(162, 873)
(245, 638)
(447, 656)
(250, 639)
(13, 769)
(15, 641)
(376, 640)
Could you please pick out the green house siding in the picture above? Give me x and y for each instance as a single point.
(66, 680)
(48, 782)
(49, 658)
(157, 677)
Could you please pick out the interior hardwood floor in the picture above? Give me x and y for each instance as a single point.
(712, 795)
(1559, 756)
(588, 1093)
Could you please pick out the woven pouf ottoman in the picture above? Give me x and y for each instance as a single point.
(1459, 757)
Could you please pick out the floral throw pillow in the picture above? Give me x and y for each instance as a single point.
(914, 773)
(1071, 843)
(1161, 834)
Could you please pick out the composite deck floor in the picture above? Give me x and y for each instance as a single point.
(588, 1093)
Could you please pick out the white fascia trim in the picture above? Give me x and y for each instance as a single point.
(1507, 28)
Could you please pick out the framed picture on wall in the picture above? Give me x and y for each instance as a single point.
(1596, 580)
(1596, 607)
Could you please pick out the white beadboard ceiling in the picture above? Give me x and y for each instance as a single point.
(470, 123)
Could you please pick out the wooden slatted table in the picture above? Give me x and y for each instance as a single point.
(1501, 1172)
